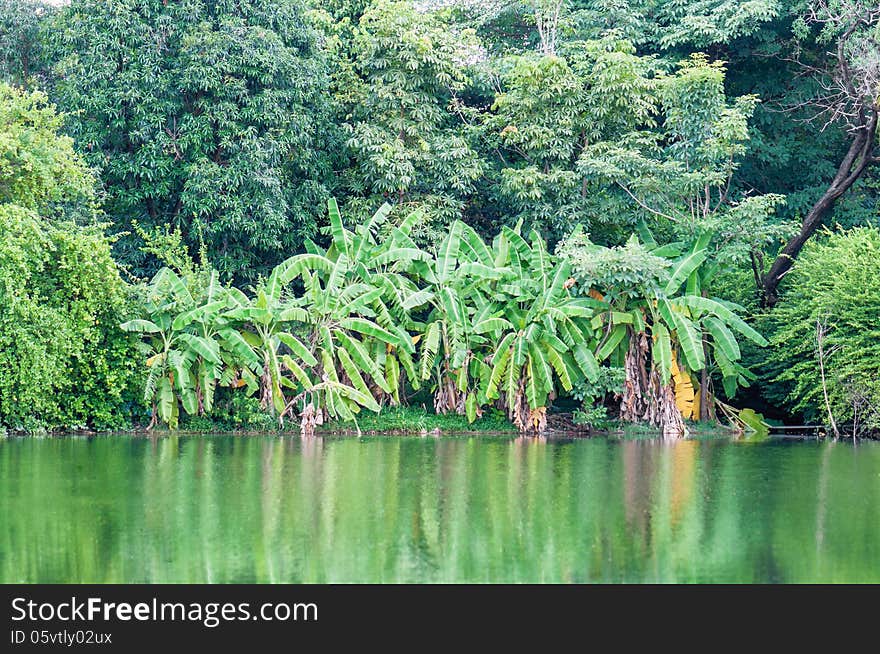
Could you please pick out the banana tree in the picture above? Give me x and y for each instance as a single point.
(669, 335)
(455, 343)
(504, 328)
(706, 329)
(354, 310)
(257, 328)
(546, 339)
(183, 362)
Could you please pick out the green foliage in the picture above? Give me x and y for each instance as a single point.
(233, 411)
(550, 109)
(704, 23)
(205, 116)
(355, 311)
(418, 420)
(397, 83)
(184, 328)
(834, 284)
(593, 396)
(39, 169)
(654, 24)
(335, 329)
(339, 346)
(680, 178)
(23, 47)
(63, 360)
(504, 328)
(222, 127)
(662, 292)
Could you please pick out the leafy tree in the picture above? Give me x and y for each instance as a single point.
(831, 298)
(601, 136)
(23, 46)
(397, 88)
(701, 23)
(681, 178)
(39, 169)
(654, 24)
(63, 360)
(846, 81)
(201, 115)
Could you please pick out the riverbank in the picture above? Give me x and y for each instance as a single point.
(417, 420)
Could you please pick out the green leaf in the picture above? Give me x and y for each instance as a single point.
(559, 366)
(298, 348)
(690, 341)
(255, 315)
(491, 325)
(430, 343)
(362, 358)
(351, 371)
(197, 314)
(470, 407)
(417, 299)
(235, 343)
(167, 402)
(586, 361)
(723, 339)
(540, 367)
(448, 254)
(499, 365)
(727, 315)
(206, 348)
(536, 396)
(662, 351)
(294, 314)
(519, 350)
(301, 376)
(684, 268)
(371, 329)
(452, 306)
(337, 231)
(399, 255)
(140, 326)
(476, 245)
(614, 338)
(297, 265)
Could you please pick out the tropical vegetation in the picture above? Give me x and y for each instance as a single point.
(294, 213)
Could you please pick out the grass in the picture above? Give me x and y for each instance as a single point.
(246, 417)
(417, 419)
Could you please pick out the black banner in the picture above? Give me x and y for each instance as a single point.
(132, 616)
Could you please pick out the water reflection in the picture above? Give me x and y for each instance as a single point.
(224, 509)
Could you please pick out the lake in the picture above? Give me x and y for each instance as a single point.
(225, 509)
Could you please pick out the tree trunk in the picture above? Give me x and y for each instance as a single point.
(857, 159)
(645, 398)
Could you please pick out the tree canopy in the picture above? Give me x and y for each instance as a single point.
(200, 115)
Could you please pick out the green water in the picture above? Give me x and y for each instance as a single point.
(252, 509)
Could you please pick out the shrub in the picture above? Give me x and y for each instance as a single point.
(63, 360)
(833, 285)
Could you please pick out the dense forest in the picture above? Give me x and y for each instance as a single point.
(245, 214)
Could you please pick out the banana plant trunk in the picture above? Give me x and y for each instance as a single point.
(645, 398)
(448, 398)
